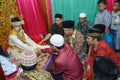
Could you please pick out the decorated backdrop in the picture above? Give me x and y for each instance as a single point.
(39, 14)
(7, 8)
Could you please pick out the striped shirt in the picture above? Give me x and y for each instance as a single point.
(103, 18)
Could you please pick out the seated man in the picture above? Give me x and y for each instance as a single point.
(19, 41)
(83, 24)
(57, 28)
(28, 63)
(67, 62)
(75, 39)
(10, 70)
(101, 48)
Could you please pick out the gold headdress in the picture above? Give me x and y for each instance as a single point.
(21, 22)
(94, 32)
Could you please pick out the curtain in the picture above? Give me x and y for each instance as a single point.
(50, 12)
(110, 5)
(71, 9)
(7, 8)
(45, 10)
(35, 16)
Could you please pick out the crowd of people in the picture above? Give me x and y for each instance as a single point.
(82, 52)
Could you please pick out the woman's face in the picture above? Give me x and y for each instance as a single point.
(17, 28)
(90, 41)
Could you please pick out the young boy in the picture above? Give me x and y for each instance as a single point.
(103, 17)
(115, 25)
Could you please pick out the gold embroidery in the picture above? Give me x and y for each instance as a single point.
(72, 37)
(12, 32)
(17, 23)
(21, 36)
(7, 8)
(94, 34)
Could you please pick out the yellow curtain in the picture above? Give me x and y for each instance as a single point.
(7, 8)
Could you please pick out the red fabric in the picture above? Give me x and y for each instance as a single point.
(49, 50)
(50, 12)
(37, 40)
(68, 64)
(110, 5)
(34, 17)
(102, 49)
(5, 49)
(11, 76)
(2, 77)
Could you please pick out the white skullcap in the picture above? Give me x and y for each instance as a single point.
(57, 40)
(82, 15)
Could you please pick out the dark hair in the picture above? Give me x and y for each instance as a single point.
(117, 1)
(102, 1)
(97, 37)
(28, 68)
(105, 69)
(100, 27)
(15, 19)
(58, 16)
(61, 47)
(2, 53)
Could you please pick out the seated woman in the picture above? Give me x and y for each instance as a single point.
(19, 41)
(30, 71)
(10, 70)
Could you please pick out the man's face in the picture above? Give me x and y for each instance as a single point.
(58, 21)
(67, 31)
(101, 7)
(82, 20)
(116, 6)
(90, 41)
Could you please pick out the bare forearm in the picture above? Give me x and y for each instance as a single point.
(46, 37)
(107, 29)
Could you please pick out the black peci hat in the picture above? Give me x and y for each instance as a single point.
(105, 69)
(68, 24)
(100, 27)
(58, 16)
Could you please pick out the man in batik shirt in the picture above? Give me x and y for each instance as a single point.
(83, 24)
(74, 38)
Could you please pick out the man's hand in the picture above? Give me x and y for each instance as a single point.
(39, 51)
(39, 69)
(84, 79)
